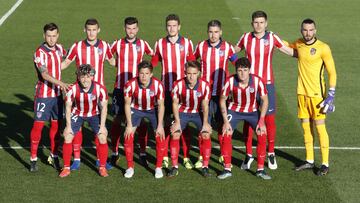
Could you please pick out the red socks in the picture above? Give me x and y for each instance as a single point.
(248, 133)
(102, 151)
(115, 136)
(227, 151)
(54, 136)
(261, 150)
(185, 141)
(67, 151)
(271, 132)
(77, 142)
(206, 151)
(174, 151)
(160, 151)
(142, 136)
(129, 150)
(35, 136)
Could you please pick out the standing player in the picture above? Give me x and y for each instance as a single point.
(144, 95)
(129, 53)
(189, 95)
(313, 56)
(214, 54)
(48, 104)
(91, 51)
(85, 101)
(259, 46)
(242, 89)
(173, 51)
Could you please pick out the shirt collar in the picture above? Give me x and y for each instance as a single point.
(95, 45)
(195, 87)
(134, 42)
(177, 41)
(217, 46)
(90, 90)
(263, 37)
(147, 87)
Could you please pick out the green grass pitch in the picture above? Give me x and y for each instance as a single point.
(337, 24)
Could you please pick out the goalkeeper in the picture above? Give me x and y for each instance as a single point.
(313, 102)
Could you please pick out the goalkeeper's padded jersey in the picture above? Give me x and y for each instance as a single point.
(312, 59)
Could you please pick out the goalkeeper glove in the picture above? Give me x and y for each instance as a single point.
(328, 104)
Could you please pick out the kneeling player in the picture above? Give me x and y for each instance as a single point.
(188, 95)
(143, 95)
(86, 101)
(243, 88)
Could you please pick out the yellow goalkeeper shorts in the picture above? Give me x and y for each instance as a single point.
(309, 107)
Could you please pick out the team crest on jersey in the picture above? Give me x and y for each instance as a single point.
(152, 93)
(221, 53)
(266, 42)
(138, 48)
(100, 51)
(92, 97)
(251, 90)
(198, 94)
(182, 48)
(312, 51)
(58, 52)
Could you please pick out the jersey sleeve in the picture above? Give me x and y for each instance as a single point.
(175, 91)
(240, 43)
(197, 51)
(160, 94)
(72, 52)
(103, 94)
(157, 56)
(277, 41)
(108, 53)
(190, 56)
(70, 95)
(226, 89)
(113, 47)
(232, 55)
(207, 94)
(39, 59)
(262, 88)
(148, 49)
(329, 64)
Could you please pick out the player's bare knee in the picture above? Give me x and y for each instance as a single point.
(175, 136)
(320, 122)
(68, 138)
(205, 136)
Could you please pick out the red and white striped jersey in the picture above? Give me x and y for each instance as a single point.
(86, 104)
(214, 63)
(95, 55)
(173, 57)
(243, 99)
(260, 53)
(128, 56)
(144, 98)
(190, 99)
(51, 59)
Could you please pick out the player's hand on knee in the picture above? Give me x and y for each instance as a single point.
(175, 129)
(227, 129)
(261, 127)
(160, 132)
(128, 131)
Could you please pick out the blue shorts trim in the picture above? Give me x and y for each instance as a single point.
(48, 108)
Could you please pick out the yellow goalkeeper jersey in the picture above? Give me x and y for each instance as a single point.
(312, 59)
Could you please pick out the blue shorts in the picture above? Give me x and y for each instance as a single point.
(272, 99)
(235, 117)
(168, 103)
(137, 116)
(118, 102)
(215, 116)
(77, 122)
(186, 118)
(48, 108)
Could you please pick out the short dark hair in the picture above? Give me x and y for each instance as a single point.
(172, 17)
(258, 14)
(130, 21)
(50, 27)
(214, 23)
(242, 62)
(145, 64)
(85, 69)
(308, 21)
(91, 21)
(193, 64)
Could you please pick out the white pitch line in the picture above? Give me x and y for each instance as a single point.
(7, 14)
(195, 147)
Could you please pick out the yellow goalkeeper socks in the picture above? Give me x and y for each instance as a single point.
(324, 143)
(309, 142)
